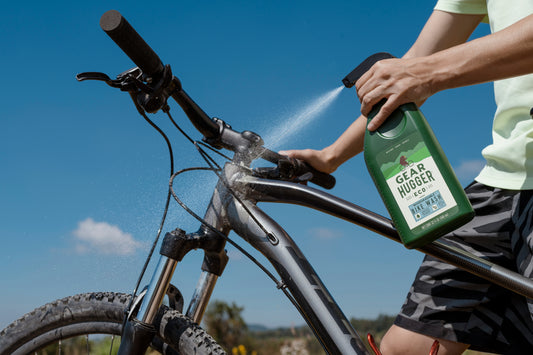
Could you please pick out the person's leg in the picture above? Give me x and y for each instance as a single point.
(445, 302)
(398, 341)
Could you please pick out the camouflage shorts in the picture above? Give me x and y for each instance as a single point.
(449, 303)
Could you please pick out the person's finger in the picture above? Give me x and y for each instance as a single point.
(290, 153)
(384, 112)
(304, 154)
(370, 99)
(366, 85)
(364, 79)
(378, 74)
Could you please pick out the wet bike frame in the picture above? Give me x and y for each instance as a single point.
(233, 206)
(313, 300)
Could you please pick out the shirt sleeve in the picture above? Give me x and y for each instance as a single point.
(467, 7)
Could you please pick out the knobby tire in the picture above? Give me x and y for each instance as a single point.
(100, 313)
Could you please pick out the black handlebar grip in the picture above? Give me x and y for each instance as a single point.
(319, 178)
(300, 167)
(362, 68)
(131, 43)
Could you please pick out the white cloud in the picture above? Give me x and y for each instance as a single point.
(325, 233)
(469, 169)
(103, 238)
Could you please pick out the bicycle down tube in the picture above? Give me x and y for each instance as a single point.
(313, 300)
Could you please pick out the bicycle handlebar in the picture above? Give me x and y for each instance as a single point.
(125, 36)
(131, 43)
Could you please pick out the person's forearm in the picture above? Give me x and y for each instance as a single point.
(504, 54)
(349, 144)
(501, 55)
(441, 31)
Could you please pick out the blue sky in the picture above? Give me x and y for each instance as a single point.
(83, 178)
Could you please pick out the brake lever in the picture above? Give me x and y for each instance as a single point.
(303, 179)
(92, 76)
(126, 81)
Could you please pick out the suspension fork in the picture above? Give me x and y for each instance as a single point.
(139, 331)
(176, 245)
(215, 261)
(201, 296)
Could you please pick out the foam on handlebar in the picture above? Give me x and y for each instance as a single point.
(123, 34)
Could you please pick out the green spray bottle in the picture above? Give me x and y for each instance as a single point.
(411, 172)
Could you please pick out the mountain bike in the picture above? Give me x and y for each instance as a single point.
(155, 316)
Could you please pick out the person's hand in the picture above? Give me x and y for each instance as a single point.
(399, 81)
(318, 159)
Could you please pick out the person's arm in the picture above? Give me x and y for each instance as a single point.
(504, 54)
(442, 30)
(349, 144)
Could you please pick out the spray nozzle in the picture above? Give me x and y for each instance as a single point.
(362, 68)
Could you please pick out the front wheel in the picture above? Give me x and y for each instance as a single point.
(90, 323)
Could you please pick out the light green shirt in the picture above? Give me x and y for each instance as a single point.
(509, 159)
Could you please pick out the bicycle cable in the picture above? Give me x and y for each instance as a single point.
(208, 158)
(279, 284)
(165, 211)
(215, 168)
(210, 161)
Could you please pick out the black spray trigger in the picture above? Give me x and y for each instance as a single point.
(362, 68)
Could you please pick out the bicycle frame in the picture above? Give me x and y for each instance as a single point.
(233, 206)
(311, 296)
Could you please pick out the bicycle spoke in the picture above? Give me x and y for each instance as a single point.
(87, 342)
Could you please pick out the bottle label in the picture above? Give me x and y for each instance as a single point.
(415, 181)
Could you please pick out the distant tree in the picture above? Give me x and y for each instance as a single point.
(225, 323)
(376, 326)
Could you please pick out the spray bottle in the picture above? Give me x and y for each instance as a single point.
(411, 172)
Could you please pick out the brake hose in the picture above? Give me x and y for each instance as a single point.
(165, 211)
(213, 166)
